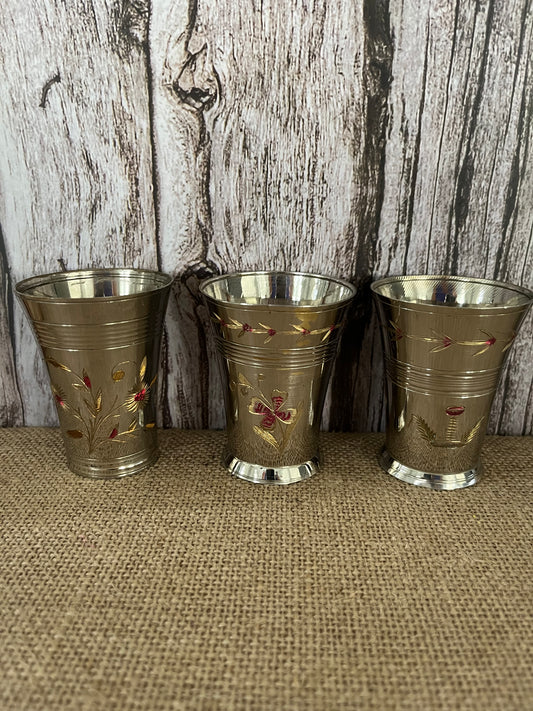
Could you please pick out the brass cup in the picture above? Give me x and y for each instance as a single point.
(277, 334)
(100, 333)
(445, 340)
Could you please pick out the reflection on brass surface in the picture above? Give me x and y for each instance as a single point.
(277, 334)
(445, 340)
(100, 333)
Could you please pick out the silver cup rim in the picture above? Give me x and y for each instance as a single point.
(161, 281)
(281, 272)
(523, 291)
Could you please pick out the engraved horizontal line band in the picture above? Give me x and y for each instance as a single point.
(428, 381)
(284, 358)
(99, 336)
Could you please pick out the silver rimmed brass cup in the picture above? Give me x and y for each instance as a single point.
(277, 334)
(445, 341)
(100, 333)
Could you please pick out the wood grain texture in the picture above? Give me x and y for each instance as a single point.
(355, 139)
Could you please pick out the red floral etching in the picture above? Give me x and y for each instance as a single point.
(93, 412)
(269, 332)
(270, 414)
(246, 328)
(441, 341)
(455, 411)
(277, 421)
(59, 397)
(139, 397)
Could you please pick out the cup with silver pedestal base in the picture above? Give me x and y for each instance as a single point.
(445, 340)
(277, 334)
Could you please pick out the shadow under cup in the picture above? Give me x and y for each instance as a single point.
(277, 334)
(445, 340)
(100, 334)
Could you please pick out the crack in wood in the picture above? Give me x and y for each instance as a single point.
(350, 380)
(416, 156)
(466, 172)
(132, 22)
(56, 79)
(515, 176)
(11, 403)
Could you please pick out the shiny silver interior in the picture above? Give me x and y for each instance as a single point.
(451, 291)
(277, 288)
(93, 283)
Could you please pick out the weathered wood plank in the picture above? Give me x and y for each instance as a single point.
(76, 169)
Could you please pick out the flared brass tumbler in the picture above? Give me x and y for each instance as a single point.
(278, 335)
(445, 341)
(100, 332)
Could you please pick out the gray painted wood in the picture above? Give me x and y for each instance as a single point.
(355, 139)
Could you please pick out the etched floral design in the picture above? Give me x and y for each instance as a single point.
(454, 411)
(137, 400)
(99, 421)
(59, 396)
(277, 420)
(139, 395)
(451, 437)
(274, 412)
(442, 341)
(264, 329)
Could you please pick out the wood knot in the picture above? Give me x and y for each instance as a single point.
(195, 274)
(197, 84)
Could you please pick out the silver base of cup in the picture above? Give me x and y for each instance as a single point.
(259, 474)
(429, 480)
(113, 469)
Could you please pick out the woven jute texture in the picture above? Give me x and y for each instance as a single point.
(183, 588)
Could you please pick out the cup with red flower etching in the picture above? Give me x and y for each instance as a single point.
(446, 339)
(277, 334)
(100, 333)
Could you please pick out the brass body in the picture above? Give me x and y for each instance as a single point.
(445, 341)
(100, 332)
(277, 334)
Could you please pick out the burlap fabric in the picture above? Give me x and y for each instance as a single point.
(182, 588)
